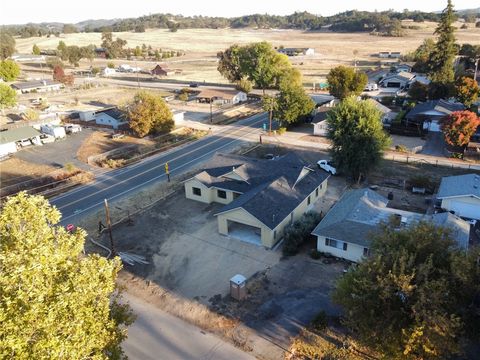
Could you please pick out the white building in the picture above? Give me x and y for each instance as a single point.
(461, 195)
(58, 132)
(108, 71)
(110, 117)
(37, 86)
(12, 138)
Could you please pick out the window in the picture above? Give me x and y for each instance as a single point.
(336, 244)
(236, 195)
(366, 251)
(222, 194)
(275, 234)
(308, 201)
(316, 192)
(197, 191)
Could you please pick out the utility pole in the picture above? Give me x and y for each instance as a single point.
(109, 225)
(270, 116)
(211, 113)
(476, 69)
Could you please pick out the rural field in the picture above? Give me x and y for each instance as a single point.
(202, 45)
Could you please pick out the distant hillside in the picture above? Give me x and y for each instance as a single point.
(382, 23)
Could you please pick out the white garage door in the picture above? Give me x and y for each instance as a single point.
(470, 211)
(434, 126)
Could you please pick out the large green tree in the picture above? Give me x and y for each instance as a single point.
(422, 55)
(55, 302)
(149, 113)
(8, 96)
(114, 48)
(441, 68)
(358, 139)
(414, 296)
(467, 90)
(9, 70)
(35, 49)
(343, 81)
(418, 91)
(7, 45)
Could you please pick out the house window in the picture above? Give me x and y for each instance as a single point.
(236, 195)
(366, 252)
(222, 194)
(308, 201)
(336, 244)
(316, 192)
(197, 191)
(275, 234)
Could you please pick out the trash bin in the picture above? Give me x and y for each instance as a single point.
(238, 289)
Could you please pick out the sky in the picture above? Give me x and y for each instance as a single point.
(68, 11)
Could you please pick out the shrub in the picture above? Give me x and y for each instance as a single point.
(387, 100)
(422, 181)
(401, 148)
(69, 167)
(315, 254)
(111, 65)
(319, 322)
(300, 231)
(281, 130)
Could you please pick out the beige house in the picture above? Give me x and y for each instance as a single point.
(347, 229)
(261, 197)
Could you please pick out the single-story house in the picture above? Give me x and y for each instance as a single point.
(111, 117)
(297, 51)
(396, 80)
(387, 114)
(261, 197)
(57, 132)
(37, 85)
(162, 71)
(430, 113)
(347, 229)
(11, 138)
(319, 121)
(460, 195)
(225, 96)
(384, 54)
(27, 57)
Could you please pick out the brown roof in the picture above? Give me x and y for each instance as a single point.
(218, 93)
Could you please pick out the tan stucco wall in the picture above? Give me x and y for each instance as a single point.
(206, 196)
(354, 252)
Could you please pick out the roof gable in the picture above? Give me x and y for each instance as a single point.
(461, 185)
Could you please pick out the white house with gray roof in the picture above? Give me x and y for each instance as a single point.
(347, 229)
(260, 197)
(461, 195)
(10, 139)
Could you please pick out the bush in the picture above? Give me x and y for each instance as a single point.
(315, 254)
(319, 322)
(387, 100)
(300, 231)
(281, 130)
(111, 65)
(401, 148)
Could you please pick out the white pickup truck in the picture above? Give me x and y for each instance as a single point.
(327, 166)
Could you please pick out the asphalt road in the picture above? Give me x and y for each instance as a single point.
(157, 335)
(118, 183)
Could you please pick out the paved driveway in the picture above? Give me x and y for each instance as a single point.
(59, 153)
(434, 144)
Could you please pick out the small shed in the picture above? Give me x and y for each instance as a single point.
(238, 287)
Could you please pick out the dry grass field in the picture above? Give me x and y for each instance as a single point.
(202, 45)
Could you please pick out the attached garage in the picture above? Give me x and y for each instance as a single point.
(244, 232)
(461, 195)
(464, 207)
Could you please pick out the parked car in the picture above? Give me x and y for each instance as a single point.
(194, 85)
(45, 138)
(327, 166)
(371, 87)
(72, 128)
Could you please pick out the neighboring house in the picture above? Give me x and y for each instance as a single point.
(261, 197)
(319, 121)
(111, 117)
(387, 114)
(397, 80)
(297, 51)
(12, 138)
(461, 195)
(27, 57)
(384, 54)
(37, 86)
(403, 68)
(225, 96)
(422, 79)
(58, 132)
(323, 100)
(162, 71)
(129, 69)
(347, 229)
(430, 114)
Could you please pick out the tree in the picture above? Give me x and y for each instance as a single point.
(8, 96)
(55, 302)
(343, 81)
(269, 104)
(69, 29)
(229, 63)
(244, 85)
(149, 113)
(54, 61)
(414, 295)
(9, 70)
(183, 96)
(7, 45)
(59, 75)
(459, 126)
(467, 91)
(35, 50)
(418, 91)
(358, 140)
(62, 49)
(73, 54)
(441, 69)
(137, 51)
(422, 55)
(293, 103)
(114, 49)
(31, 115)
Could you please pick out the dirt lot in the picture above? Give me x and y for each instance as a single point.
(202, 45)
(15, 170)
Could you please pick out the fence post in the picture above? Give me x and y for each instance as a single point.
(407, 159)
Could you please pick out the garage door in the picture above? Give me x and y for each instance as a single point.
(466, 210)
(393, 84)
(243, 232)
(434, 126)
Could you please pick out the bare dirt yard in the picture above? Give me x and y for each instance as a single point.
(15, 170)
(202, 45)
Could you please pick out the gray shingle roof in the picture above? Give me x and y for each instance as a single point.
(114, 113)
(34, 84)
(461, 185)
(270, 190)
(13, 135)
(460, 229)
(442, 106)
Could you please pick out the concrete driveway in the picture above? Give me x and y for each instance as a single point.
(158, 335)
(59, 153)
(434, 144)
